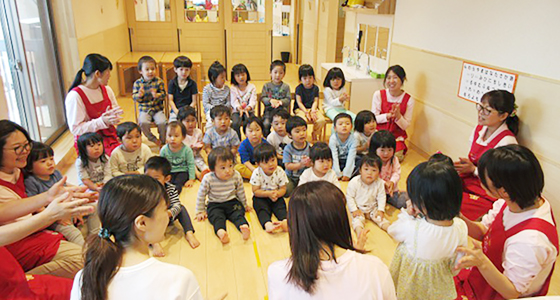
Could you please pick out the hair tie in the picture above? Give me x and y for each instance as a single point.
(104, 233)
(514, 111)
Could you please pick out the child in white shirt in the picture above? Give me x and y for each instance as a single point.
(279, 138)
(364, 127)
(321, 169)
(365, 196)
(193, 139)
(131, 155)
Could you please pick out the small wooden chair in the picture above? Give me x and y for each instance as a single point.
(165, 110)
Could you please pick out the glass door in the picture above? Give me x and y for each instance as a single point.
(32, 81)
(152, 25)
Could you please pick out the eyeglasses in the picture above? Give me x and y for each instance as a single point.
(485, 111)
(21, 148)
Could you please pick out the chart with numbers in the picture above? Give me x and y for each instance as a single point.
(477, 80)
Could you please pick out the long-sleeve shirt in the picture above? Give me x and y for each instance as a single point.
(402, 122)
(76, 115)
(122, 161)
(248, 96)
(212, 96)
(181, 161)
(148, 103)
(279, 92)
(360, 195)
(308, 176)
(332, 98)
(392, 172)
(220, 191)
(96, 171)
(343, 150)
(246, 151)
(174, 202)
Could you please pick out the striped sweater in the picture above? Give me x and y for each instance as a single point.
(220, 191)
(212, 96)
(174, 202)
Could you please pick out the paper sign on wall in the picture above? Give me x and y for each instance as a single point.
(476, 80)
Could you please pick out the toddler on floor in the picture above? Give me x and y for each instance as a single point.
(253, 132)
(179, 155)
(131, 155)
(343, 147)
(321, 166)
(216, 92)
(296, 154)
(243, 97)
(93, 164)
(279, 138)
(221, 134)
(193, 139)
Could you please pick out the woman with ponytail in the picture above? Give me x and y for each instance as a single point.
(133, 214)
(498, 125)
(91, 105)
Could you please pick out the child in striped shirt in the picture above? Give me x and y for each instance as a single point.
(226, 196)
(216, 92)
(159, 168)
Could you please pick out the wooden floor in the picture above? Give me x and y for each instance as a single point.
(240, 268)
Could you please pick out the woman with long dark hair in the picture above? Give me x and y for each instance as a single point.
(324, 262)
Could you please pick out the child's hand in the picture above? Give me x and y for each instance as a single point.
(154, 93)
(275, 103)
(189, 183)
(396, 112)
(389, 185)
(306, 161)
(411, 210)
(248, 208)
(169, 214)
(464, 166)
(357, 213)
(201, 216)
(79, 220)
(197, 146)
(379, 214)
(65, 222)
(273, 195)
(141, 91)
(344, 97)
(345, 178)
(472, 257)
(314, 115)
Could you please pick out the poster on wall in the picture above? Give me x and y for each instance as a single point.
(477, 80)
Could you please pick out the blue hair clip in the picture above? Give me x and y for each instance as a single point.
(104, 233)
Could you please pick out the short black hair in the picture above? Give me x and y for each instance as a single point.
(362, 118)
(239, 69)
(177, 124)
(158, 163)
(320, 151)
(334, 73)
(306, 70)
(38, 151)
(277, 63)
(436, 189)
(341, 116)
(88, 139)
(294, 122)
(371, 160)
(8, 127)
(280, 112)
(215, 70)
(398, 70)
(382, 139)
(515, 169)
(145, 59)
(440, 158)
(220, 110)
(126, 127)
(219, 154)
(182, 62)
(264, 152)
(251, 120)
(185, 112)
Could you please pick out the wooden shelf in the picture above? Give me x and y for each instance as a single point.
(370, 11)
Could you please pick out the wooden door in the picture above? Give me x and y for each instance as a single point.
(310, 12)
(201, 29)
(152, 25)
(249, 36)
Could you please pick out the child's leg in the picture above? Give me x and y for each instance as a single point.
(381, 222)
(200, 163)
(353, 115)
(188, 229)
(263, 208)
(145, 123)
(161, 122)
(300, 113)
(71, 233)
(217, 215)
(331, 113)
(267, 121)
(236, 123)
(319, 124)
(179, 179)
(279, 209)
(358, 224)
(398, 199)
(244, 171)
(292, 184)
(235, 212)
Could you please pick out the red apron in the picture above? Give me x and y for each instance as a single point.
(15, 285)
(476, 202)
(94, 111)
(471, 283)
(390, 125)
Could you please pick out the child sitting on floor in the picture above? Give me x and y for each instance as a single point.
(93, 164)
(343, 147)
(221, 134)
(253, 132)
(279, 138)
(179, 155)
(131, 155)
(321, 168)
(193, 139)
(296, 154)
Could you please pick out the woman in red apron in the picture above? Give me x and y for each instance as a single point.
(91, 105)
(22, 247)
(497, 126)
(393, 108)
(519, 238)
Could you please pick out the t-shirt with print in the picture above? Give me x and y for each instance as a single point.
(273, 182)
(181, 161)
(294, 155)
(279, 142)
(96, 171)
(307, 95)
(228, 139)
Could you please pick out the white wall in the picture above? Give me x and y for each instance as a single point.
(515, 34)
(432, 38)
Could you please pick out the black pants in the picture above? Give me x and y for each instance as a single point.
(237, 122)
(184, 220)
(179, 179)
(357, 165)
(231, 210)
(265, 207)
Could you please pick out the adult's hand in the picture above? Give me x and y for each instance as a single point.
(464, 166)
(65, 206)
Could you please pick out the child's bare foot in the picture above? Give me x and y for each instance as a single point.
(362, 239)
(270, 226)
(192, 239)
(284, 225)
(245, 231)
(198, 175)
(223, 235)
(157, 250)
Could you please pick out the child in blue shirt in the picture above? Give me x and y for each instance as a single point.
(253, 130)
(343, 146)
(296, 154)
